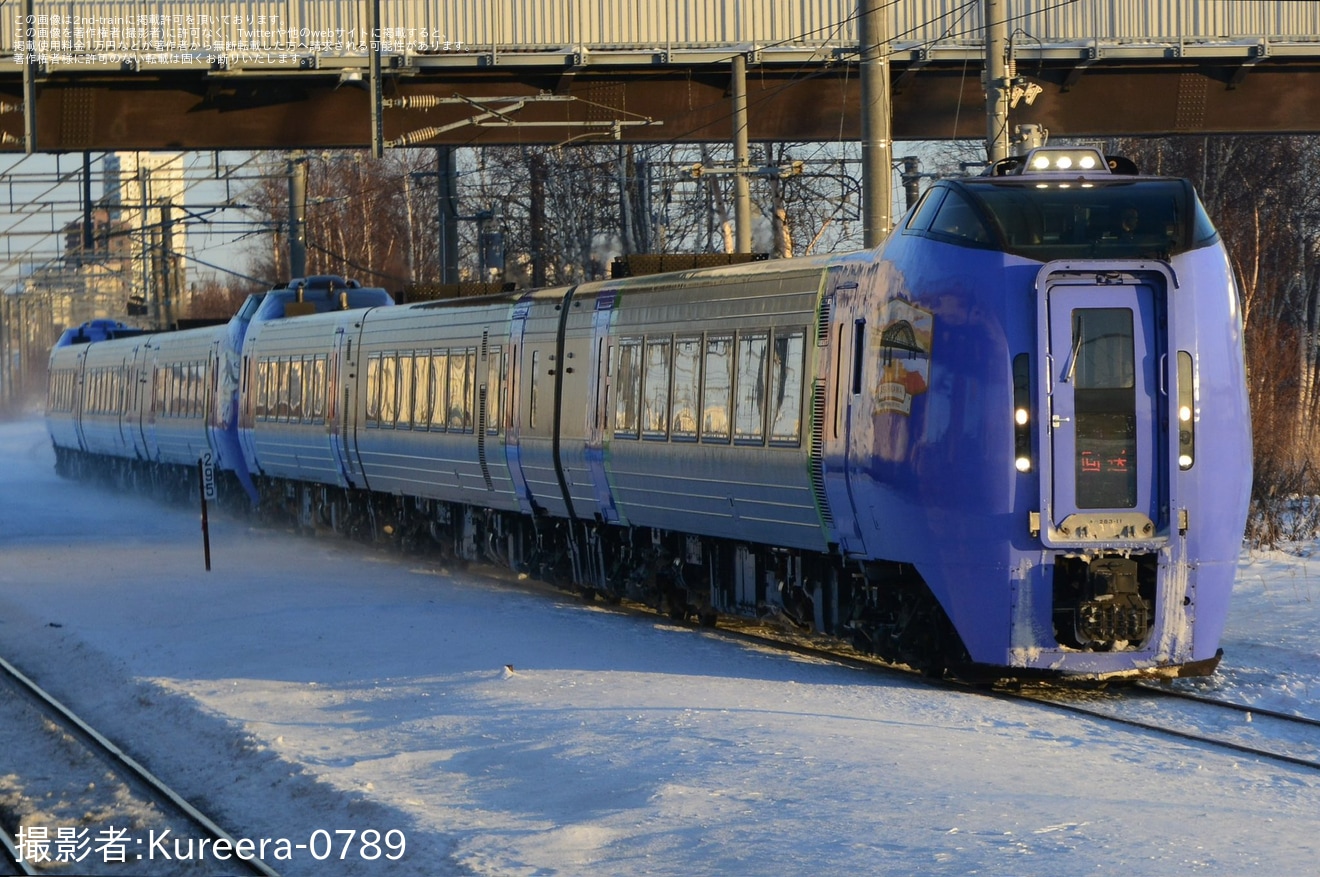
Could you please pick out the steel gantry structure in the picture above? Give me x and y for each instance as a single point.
(210, 74)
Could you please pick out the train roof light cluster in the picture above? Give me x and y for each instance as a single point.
(1049, 159)
(1070, 161)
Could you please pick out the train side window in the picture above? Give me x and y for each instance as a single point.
(859, 355)
(422, 390)
(189, 391)
(687, 388)
(717, 391)
(267, 377)
(296, 390)
(786, 369)
(495, 384)
(462, 366)
(404, 377)
(607, 381)
(628, 387)
(389, 389)
(177, 391)
(320, 388)
(655, 396)
(439, 385)
(373, 390)
(282, 391)
(256, 391)
(749, 400)
(199, 389)
(536, 382)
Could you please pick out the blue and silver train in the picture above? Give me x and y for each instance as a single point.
(1012, 441)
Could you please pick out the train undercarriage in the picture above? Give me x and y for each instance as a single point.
(882, 609)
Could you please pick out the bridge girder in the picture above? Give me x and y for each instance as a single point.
(202, 110)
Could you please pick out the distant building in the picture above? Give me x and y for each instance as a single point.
(123, 262)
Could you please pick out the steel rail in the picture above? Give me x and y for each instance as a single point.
(99, 742)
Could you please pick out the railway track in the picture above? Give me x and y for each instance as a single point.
(1266, 734)
(12, 861)
(156, 810)
(1262, 733)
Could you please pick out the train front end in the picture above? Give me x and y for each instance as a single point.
(1094, 439)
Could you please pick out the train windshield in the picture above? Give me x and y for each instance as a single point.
(1151, 219)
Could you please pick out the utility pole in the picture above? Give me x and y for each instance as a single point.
(537, 217)
(446, 169)
(877, 175)
(30, 77)
(996, 80)
(742, 196)
(377, 126)
(297, 167)
(167, 274)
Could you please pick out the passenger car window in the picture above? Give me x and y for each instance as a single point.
(628, 387)
(687, 387)
(655, 397)
(718, 389)
(786, 369)
(749, 399)
(439, 384)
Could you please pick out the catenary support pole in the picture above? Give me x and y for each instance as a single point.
(877, 174)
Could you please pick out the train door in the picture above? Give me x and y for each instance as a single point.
(130, 424)
(341, 414)
(543, 360)
(1105, 466)
(80, 390)
(573, 400)
(151, 403)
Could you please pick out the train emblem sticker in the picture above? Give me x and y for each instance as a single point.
(904, 342)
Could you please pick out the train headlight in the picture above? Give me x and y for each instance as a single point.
(1048, 159)
(1022, 412)
(1186, 412)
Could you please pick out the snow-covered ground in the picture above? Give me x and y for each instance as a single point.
(307, 685)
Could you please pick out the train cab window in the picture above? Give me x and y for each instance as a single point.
(749, 399)
(404, 378)
(956, 219)
(628, 387)
(1102, 370)
(926, 209)
(439, 387)
(786, 369)
(687, 388)
(655, 395)
(717, 389)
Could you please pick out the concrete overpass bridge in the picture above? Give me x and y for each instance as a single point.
(209, 74)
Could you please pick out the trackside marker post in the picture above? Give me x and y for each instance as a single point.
(206, 477)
